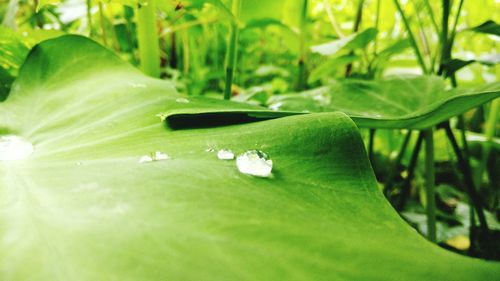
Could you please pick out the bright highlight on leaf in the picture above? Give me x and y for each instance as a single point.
(14, 148)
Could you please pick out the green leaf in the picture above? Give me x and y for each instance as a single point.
(411, 102)
(81, 207)
(330, 66)
(351, 42)
(43, 3)
(488, 27)
(383, 57)
(13, 51)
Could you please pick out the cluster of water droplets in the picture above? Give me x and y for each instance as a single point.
(252, 162)
(14, 148)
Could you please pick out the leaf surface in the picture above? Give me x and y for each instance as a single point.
(81, 207)
(411, 102)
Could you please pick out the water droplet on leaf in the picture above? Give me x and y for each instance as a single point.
(160, 156)
(225, 154)
(157, 156)
(275, 106)
(181, 100)
(138, 85)
(14, 148)
(255, 163)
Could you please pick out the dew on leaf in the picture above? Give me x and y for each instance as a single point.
(275, 106)
(181, 100)
(255, 163)
(157, 156)
(14, 148)
(225, 154)
(138, 85)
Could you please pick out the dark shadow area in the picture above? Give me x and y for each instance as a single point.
(207, 120)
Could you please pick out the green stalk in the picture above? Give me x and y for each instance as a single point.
(301, 84)
(412, 38)
(89, 16)
(232, 48)
(489, 131)
(429, 185)
(425, 41)
(147, 36)
(103, 25)
(431, 14)
(371, 142)
(453, 33)
(129, 15)
(357, 23)
(397, 162)
(445, 54)
(405, 192)
(474, 196)
(377, 20)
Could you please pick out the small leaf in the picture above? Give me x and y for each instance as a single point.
(351, 42)
(43, 3)
(488, 27)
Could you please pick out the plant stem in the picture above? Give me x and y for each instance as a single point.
(471, 190)
(394, 169)
(370, 145)
(423, 36)
(405, 192)
(332, 19)
(89, 16)
(489, 131)
(377, 20)
(455, 23)
(429, 186)
(129, 15)
(357, 23)
(412, 38)
(232, 48)
(103, 24)
(431, 14)
(301, 84)
(445, 54)
(147, 36)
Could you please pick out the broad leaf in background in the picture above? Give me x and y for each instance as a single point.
(83, 207)
(411, 102)
(351, 42)
(14, 47)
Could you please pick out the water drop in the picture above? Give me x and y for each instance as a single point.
(181, 100)
(137, 85)
(14, 148)
(78, 163)
(275, 106)
(225, 154)
(160, 156)
(255, 163)
(157, 156)
(145, 159)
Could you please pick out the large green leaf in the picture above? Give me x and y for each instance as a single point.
(81, 207)
(412, 102)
